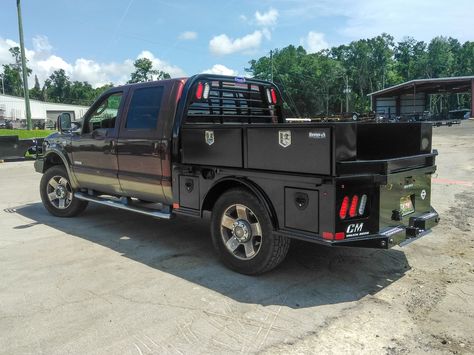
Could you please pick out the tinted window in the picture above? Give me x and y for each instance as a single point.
(144, 108)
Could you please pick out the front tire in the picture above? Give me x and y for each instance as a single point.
(242, 234)
(57, 194)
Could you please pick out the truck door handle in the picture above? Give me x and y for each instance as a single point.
(112, 145)
(159, 149)
(156, 149)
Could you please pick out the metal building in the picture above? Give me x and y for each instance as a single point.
(425, 98)
(12, 108)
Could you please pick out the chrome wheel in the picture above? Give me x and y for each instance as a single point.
(59, 192)
(241, 232)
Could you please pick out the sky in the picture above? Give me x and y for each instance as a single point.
(98, 40)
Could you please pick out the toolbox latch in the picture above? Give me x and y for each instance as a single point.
(301, 200)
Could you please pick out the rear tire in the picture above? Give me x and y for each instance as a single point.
(57, 194)
(242, 234)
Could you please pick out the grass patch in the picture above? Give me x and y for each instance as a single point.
(25, 134)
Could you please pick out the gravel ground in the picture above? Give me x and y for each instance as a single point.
(114, 282)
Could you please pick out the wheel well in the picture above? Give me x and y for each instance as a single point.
(221, 187)
(51, 160)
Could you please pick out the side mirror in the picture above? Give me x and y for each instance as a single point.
(64, 122)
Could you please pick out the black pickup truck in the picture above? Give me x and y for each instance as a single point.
(220, 144)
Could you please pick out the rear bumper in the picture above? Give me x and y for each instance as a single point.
(396, 235)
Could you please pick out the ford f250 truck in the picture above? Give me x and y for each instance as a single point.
(220, 144)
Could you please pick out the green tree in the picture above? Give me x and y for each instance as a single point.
(12, 81)
(12, 74)
(410, 59)
(81, 93)
(36, 92)
(57, 87)
(314, 83)
(287, 71)
(101, 89)
(440, 58)
(144, 72)
(466, 59)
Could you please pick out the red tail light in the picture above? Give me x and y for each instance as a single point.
(344, 207)
(328, 236)
(274, 96)
(339, 235)
(199, 90)
(334, 236)
(354, 203)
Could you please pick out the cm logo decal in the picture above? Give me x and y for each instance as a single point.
(354, 228)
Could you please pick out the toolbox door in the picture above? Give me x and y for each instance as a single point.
(291, 149)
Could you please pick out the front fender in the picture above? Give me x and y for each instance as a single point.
(51, 157)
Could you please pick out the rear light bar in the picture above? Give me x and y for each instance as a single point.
(272, 96)
(207, 89)
(353, 210)
(344, 207)
(202, 91)
(357, 206)
(199, 90)
(362, 204)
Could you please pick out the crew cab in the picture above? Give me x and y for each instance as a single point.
(220, 145)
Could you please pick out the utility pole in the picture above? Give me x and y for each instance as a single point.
(347, 94)
(23, 68)
(271, 64)
(347, 91)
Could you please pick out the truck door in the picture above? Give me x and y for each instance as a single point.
(94, 159)
(140, 144)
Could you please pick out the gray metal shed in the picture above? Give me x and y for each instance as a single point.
(411, 97)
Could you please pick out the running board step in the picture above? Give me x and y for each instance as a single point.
(121, 205)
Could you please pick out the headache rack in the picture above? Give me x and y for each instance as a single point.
(232, 100)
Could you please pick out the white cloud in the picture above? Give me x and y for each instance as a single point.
(5, 56)
(314, 42)
(221, 70)
(222, 44)
(41, 44)
(172, 70)
(48, 65)
(188, 35)
(43, 63)
(268, 18)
